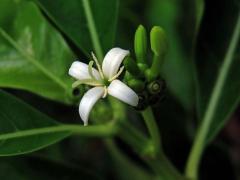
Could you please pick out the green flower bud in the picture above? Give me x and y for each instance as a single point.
(127, 77)
(137, 85)
(140, 44)
(158, 41)
(142, 67)
(131, 66)
(100, 113)
(159, 47)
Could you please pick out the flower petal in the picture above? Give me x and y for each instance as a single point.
(88, 101)
(79, 71)
(121, 91)
(112, 61)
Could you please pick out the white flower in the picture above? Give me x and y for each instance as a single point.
(104, 79)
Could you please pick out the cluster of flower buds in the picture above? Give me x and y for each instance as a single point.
(142, 75)
(142, 86)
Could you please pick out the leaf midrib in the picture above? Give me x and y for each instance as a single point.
(199, 141)
(91, 25)
(95, 130)
(35, 62)
(92, 29)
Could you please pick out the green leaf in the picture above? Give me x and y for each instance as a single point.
(217, 64)
(218, 74)
(42, 167)
(82, 20)
(33, 55)
(199, 8)
(24, 129)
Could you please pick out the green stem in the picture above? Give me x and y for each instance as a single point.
(141, 145)
(156, 66)
(164, 168)
(129, 134)
(97, 130)
(135, 132)
(129, 169)
(92, 29)
(199, 142)
(135, 138)
(160, 164)
(152, 127)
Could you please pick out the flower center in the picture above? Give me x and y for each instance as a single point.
(106, 82)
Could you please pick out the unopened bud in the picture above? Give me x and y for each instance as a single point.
(159, 47)
(136, 85)
(132, 67)
(140, 44)
(158, 41)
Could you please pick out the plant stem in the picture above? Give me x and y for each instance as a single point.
(92, 29)
(135, 132)
(135, 138)
(156, 64)
(129, 168)
(164, 168)
(199, 142)
(97, 130)
(130, 134)
(160, 164)
(152, 127)
(141, 145)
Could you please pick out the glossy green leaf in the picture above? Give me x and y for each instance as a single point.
(72, 17)
(217, 60)
(22, 127)
(33, 55)
(24, 130)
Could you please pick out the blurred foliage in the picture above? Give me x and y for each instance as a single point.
(37, 41)
(212, 47)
